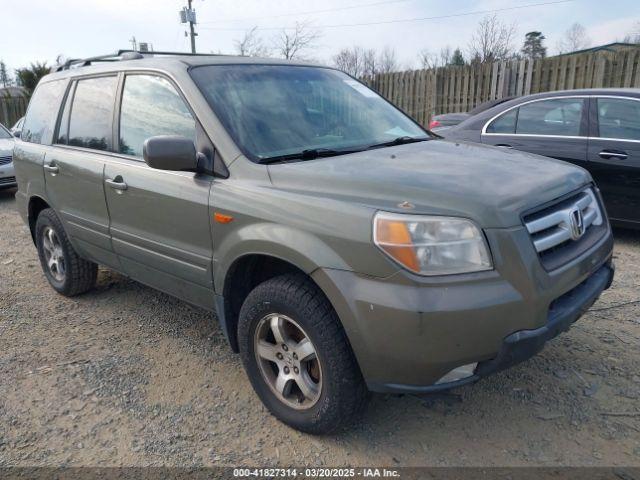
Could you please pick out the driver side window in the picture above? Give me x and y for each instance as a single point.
(151, 106)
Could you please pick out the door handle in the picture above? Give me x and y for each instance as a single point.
(119, 186)
(504, 145)
(607, 154)
(51, 168)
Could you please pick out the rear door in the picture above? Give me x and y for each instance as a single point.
(160, 224)
(614, 155)
(553, 127)
(74, 166)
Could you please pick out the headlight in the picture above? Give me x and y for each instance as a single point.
(431, 245)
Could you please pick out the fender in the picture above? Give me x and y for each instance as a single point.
(303, 250)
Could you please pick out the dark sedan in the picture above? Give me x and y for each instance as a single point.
(598, 129)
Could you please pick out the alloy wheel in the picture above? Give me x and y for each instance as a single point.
(53, 254)
(288, 361)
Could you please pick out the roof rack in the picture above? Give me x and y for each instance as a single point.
(121, 55)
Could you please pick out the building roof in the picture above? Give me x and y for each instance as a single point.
(609, 47)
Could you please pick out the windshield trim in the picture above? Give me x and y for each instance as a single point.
(260, 160)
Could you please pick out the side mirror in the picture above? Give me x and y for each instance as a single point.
(170, 152)
(17, 133)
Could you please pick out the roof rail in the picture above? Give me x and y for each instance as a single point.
(123, 55)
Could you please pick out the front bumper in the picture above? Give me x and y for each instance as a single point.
(409, 332)
(524, 344)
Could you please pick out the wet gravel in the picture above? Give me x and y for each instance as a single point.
(125, 375)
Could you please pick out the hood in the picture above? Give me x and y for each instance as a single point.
(489, 185)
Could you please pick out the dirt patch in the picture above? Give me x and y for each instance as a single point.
(125, 375)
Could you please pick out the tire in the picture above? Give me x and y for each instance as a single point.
(72, 275)
(338, 391)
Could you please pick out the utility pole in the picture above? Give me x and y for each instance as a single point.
(192, 20)
(188, 15)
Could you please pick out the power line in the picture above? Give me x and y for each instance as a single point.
(405, 20)
(350, 7)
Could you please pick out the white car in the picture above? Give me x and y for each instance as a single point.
(7, 175)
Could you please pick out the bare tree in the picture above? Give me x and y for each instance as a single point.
(575, 38)
(387, 61)
(357, 61)
(350, 60)
(293, 43)
(492, 40)
(251, 45)
(428, 59)
(370, 62)
(634, 35)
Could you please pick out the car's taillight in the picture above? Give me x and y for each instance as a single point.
(433, 124)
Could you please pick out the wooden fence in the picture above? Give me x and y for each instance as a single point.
(11, 109)
(423, 93)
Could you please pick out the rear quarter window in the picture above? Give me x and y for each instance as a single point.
(43, 112)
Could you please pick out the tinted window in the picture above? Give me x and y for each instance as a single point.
(505, 123)
(559, 116)
(43, 112)
(274, 110)
(92, 112)
(151, 106)
(618, 118)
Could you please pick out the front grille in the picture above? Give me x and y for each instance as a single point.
(7, 181)
(566, 229)
(5, 160)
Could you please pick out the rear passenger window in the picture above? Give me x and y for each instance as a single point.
(150, 107)
(619, 118)
(558, 116)
(43, 112)
(92, 112)
(504, 124)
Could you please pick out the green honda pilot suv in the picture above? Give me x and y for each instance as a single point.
(343, 248)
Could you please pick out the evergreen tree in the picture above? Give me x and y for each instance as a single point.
(30, 76)
(533, 46)
(5, 79)
(457, 58)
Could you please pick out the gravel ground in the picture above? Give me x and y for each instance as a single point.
(127, 376)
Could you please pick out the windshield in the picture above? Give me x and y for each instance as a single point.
(4, 133)
(275, 110)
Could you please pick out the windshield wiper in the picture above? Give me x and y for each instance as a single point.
(309, 154)
(399, 141)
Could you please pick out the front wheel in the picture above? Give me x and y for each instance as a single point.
(297, 356)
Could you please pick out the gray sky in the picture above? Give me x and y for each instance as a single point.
(39, 30)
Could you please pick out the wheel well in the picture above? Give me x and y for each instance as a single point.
(244, 275)
(36, 205)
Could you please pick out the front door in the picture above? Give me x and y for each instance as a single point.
(160, 221)
(74, 166)
(614, 156)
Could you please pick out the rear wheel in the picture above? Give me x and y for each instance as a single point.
(297, 356)
(67, 273)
